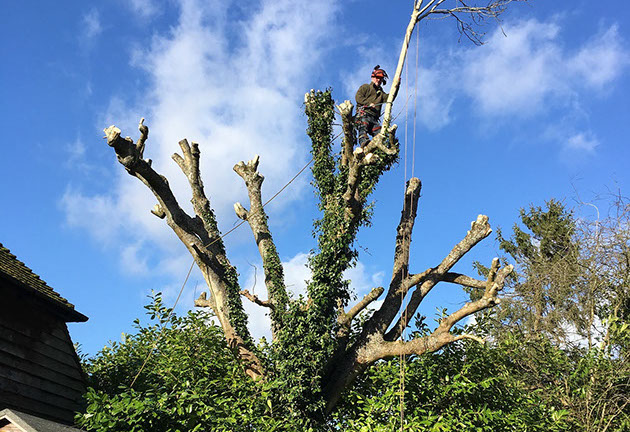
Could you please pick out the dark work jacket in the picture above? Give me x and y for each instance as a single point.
(371, 94)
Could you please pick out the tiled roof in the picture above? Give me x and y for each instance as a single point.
(15, 270)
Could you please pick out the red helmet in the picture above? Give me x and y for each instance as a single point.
(380, 73)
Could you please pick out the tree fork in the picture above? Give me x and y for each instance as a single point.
(202, 240)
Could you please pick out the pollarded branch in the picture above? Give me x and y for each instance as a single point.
(256, 217)
(189, 164)
(463, 280)
(425, 281)
(350, 140)
(405, 228)
(144, 135)
(130, 156)
(202, 301)
(494, 284)
(441, 336)
(382, 318)
(208, 253)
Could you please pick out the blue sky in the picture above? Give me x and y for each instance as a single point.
(540, 111)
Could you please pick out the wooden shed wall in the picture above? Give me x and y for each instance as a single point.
(40, 372)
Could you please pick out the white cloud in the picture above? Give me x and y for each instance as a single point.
(523, 70)
(236, 87)
(91, 24)
(529, 70)
(133, 261)
(514, 74)
(296, 273)
(601, 60)
(434, 104)
(583, 141)
(96, 213)
(76, 151)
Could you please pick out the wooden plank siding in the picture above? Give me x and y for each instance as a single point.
(40, 372)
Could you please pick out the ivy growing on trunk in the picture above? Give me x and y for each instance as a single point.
(317, 350)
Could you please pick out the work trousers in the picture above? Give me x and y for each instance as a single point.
(367, 122)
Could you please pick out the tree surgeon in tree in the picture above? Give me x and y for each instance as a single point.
(370, 97)
(319, 344)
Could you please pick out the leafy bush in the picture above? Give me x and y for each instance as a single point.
(192, 382)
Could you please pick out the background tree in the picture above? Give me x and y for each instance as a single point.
(541, 298)
(314, 356)
(563, 322)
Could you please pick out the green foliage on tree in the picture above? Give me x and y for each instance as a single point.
(466, 387)
(546, 256)
(518, 381)
(564, 318)
(192, 381)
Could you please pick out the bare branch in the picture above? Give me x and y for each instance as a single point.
(345, 319)
(144, 135)
(158, 211)
(200, 235)
(254, 299)
(383, 350)
(489, 299)
(480, 229)
(240, 211)
(463, 280)
(405, 228)
(345, 109)
(256, 217)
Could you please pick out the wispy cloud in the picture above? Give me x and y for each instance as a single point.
(514, 75)
(234, 86)
(584, 141)
(522, 74)
(133, 260)
(91, 24)
(76, 151)
(525, 70)
(601, 60)
(96, 214)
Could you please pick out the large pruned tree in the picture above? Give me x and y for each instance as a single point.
(316, 353)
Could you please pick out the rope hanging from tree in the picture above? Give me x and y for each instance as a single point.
(403, 309)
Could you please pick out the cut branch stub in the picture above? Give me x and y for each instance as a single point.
(202, 301)
(240, 211)
(349, 141)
